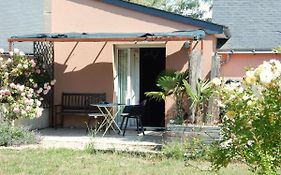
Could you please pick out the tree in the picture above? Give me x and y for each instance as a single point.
(189, 8)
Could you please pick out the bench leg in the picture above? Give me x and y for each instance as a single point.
(89, 126)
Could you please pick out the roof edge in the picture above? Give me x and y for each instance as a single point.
(209, 27)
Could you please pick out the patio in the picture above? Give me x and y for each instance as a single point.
(78, 139)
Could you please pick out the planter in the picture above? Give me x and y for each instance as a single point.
(35, 123)
(207, 134)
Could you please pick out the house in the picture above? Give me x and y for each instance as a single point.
(119, 48)
(255, 31)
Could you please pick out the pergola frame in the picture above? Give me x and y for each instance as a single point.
(39, 42)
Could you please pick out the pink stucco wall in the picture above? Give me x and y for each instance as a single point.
(87, 67)
(236, 64)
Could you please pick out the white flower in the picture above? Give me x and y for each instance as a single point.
(29, 95)
(4, 66)
(20, 87)
(245, 97)
(276, 64)
(38, 103)
(53, 82)
(216, 81)
(12, 85)
(35, 85)
(240, 89)
(45, 92)
(249, 103)
(16, 110)
(39, 90)
(250, 73)
(38, 71)
(16, 50)
(33, 64)
(1, 50)
(1, 59)
(39, 112)
(21, 53)
(11, 53)
(19, 66)
(28, 108)
(25, 66)
(226, 144)
(172, 121)
(23, 112)
(9, 60)
(257, 90)
(250, 142)
(266, 76)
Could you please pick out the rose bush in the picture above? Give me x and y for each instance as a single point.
(251, 126)
(23, 84)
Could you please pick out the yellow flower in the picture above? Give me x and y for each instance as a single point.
(250, 80)
(270, 119)
(230, 114)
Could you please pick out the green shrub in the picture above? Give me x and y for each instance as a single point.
(251, 126)
(10, 135)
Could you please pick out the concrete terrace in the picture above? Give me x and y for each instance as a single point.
(79, 139)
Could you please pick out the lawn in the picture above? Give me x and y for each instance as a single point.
(66, 161)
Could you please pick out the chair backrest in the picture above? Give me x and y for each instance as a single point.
(135, 110)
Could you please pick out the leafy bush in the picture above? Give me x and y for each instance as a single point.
(23, 84)
(10, 135)
(251, 127)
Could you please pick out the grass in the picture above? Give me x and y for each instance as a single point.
(66, 161)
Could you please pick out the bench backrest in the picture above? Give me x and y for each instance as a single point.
(81, 101)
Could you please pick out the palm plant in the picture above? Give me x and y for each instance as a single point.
(171, 83)
(199, 98)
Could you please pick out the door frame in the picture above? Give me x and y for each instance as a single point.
(115, 69)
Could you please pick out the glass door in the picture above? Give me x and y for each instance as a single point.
(127, 77)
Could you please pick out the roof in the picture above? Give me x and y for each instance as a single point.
(254, 25)
(208, 27)
(98, 37)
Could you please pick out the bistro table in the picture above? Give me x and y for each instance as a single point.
(110, 111)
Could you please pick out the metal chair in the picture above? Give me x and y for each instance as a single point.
(134, 112)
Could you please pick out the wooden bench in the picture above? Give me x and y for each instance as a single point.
(79, 104)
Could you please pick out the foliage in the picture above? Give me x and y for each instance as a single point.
(23, 84)
(90, 148)
(251, 128)
(15, 135)
(188, 149)
(199, 97)
(188, 8)
(277, 50)
(170, 83)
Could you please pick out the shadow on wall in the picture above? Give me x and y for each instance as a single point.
(178, 60)
(94, 78)
(172, 110)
